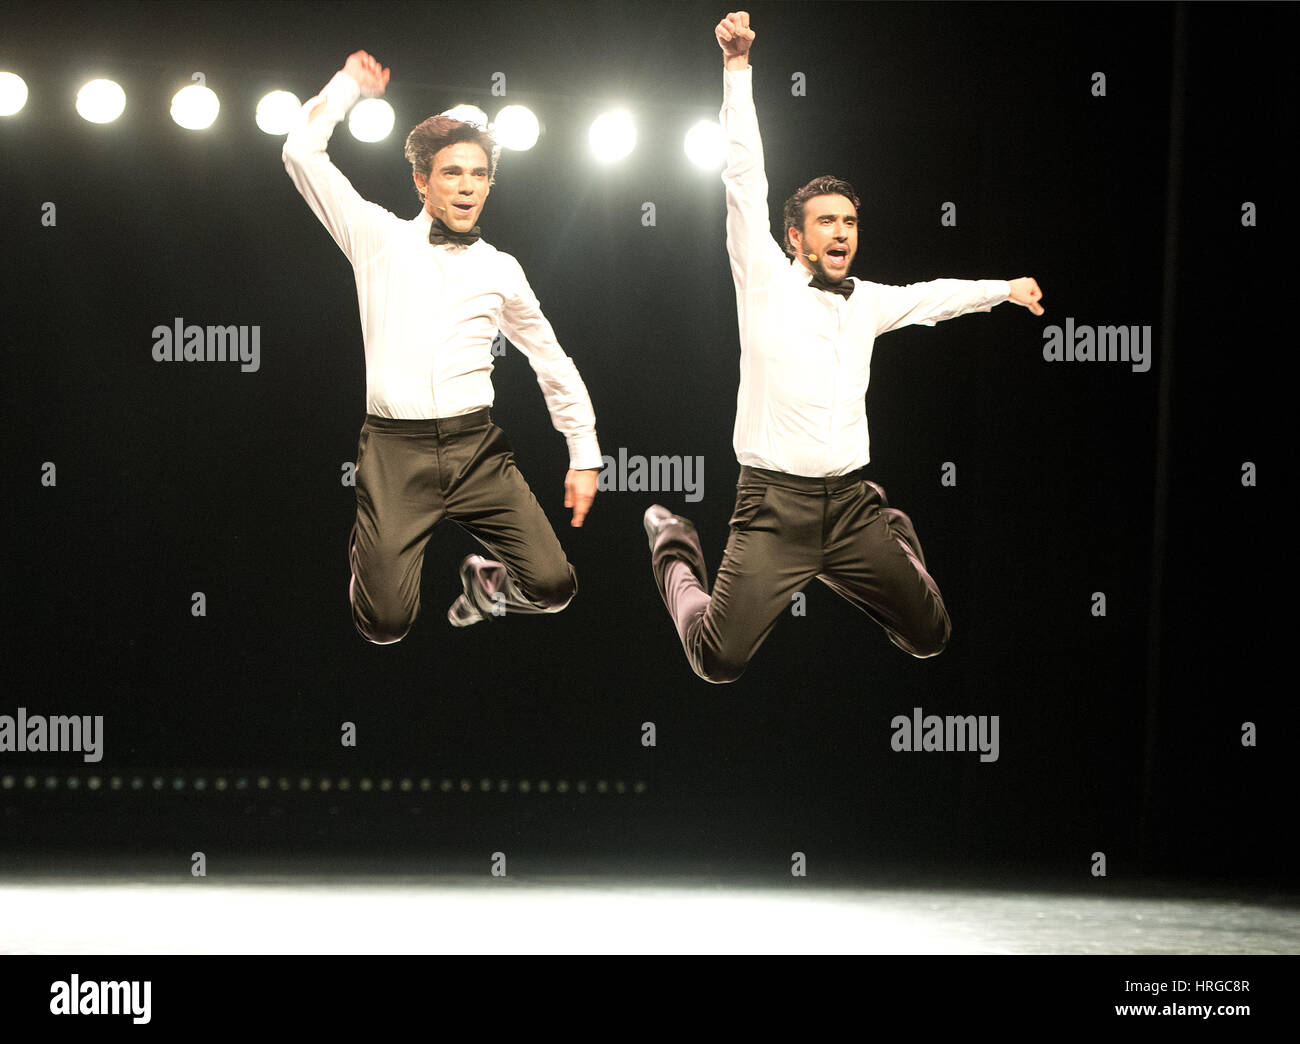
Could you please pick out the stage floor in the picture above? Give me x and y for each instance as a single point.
(299, 914)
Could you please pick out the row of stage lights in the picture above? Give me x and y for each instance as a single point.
(305, 784)
(612, 135)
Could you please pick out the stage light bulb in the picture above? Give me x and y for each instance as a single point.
(13, 93)
(468, 114)
(101, 101)
(195, 107)
(706, 145)
(371, 120)
(277, 111)
(612, 136)
(516, 128)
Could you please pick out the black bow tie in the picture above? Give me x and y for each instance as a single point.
(440, 233)
(820, 282)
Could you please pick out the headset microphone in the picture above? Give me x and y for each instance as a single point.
(811, 257)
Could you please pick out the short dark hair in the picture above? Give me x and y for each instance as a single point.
(437, 132)
(826, 185)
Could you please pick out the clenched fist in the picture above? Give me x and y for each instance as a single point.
(1024, 291)
(735, 37)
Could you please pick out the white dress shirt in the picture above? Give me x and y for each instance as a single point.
(805, 354)
(429, 313)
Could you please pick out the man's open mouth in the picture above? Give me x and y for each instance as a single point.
(837, 255)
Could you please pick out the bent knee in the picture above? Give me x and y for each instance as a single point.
(932, 644)
(552, 593)
(381, 635)
(720, 670)
(383, 628)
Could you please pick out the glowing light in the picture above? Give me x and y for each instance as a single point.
(468, 114)
(195, 107)
(101, 101)
(371, 120)
(612, 136)
(277, 111)
(517, 128)
(13, 93)
(706, 145)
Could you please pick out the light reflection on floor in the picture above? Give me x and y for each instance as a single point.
(371, 915)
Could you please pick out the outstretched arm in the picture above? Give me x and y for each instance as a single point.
(928, 303)
(349, 219)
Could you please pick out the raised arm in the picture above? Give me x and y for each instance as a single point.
(750, 245)
(352, 221)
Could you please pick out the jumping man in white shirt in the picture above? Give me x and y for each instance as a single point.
(803, 506)
(432, 295)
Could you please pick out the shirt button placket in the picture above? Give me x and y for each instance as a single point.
(834, 300)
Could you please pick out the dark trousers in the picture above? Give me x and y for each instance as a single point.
(785, 530)
(411, 474)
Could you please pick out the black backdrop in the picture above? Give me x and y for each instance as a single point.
(1119, 734)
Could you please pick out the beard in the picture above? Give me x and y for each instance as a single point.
(836, 274)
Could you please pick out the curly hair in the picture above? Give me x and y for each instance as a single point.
(793, 213)
(436, 133)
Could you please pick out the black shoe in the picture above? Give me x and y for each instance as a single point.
(463, 612)
(672, 536)
(658, 518)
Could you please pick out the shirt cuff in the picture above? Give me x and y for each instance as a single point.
(341, 93)
(584, 453)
